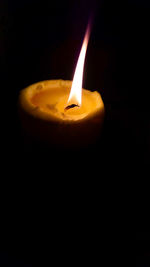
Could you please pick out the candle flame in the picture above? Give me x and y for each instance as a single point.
(75, 97)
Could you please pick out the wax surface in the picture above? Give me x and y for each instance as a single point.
(54, 101)
(49, 99)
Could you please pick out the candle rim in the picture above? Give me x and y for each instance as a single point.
(27, 93)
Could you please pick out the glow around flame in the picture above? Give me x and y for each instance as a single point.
(75, 96)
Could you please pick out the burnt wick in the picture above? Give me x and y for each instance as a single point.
(71, 106)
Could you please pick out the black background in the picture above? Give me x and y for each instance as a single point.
(45, 203)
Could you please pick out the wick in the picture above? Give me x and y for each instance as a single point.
(71, 106)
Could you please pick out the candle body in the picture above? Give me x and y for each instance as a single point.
(43, 115)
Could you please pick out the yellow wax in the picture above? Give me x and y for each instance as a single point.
(44, 115)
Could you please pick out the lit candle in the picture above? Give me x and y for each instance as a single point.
(51, 114)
